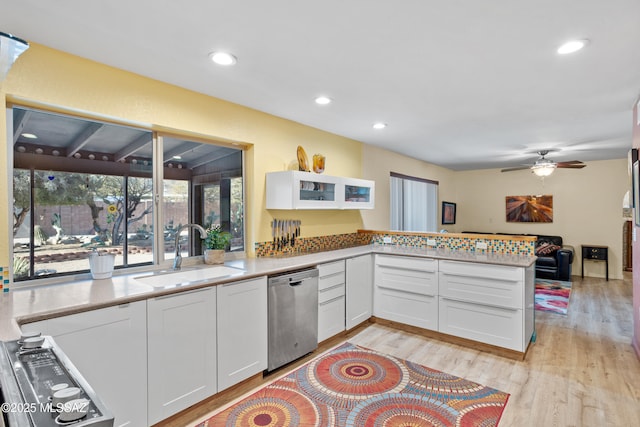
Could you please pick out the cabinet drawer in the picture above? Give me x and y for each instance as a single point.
(492, 325)
(331, 293)
(490, 291)
(595, 253)
(331, 318)
(407, 263)
(489, 271)
(331, 281)
(331, 268)
(415, 281)
(404, 307)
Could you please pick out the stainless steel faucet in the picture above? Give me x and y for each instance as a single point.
(177, 260)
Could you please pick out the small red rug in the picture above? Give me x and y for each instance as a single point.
(552, 296)
(353, 386)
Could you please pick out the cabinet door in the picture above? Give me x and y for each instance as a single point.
(498, 326)
(358, 193)
(182, 351)
(330, 317)
(359, 290)
(109, 348)
(242, 330)
(406, 307)
(302, 190)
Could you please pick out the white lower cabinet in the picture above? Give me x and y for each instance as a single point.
(109, 348)
(406, 290)
(242, 330)
(497, 326)
(359, 282)
(181, 331)
(489, 303)
(331, 299)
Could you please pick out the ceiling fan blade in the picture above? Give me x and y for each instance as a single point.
(570, 166)
(571, 162)
(519, 168)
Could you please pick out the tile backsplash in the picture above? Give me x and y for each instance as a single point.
(455, 242)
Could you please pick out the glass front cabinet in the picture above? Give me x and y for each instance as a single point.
(306, 190)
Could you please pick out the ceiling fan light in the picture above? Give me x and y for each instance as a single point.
(543, 170)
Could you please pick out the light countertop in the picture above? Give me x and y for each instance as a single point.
(32, 303)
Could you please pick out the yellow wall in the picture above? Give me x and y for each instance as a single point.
(587, 206)
(49, 78)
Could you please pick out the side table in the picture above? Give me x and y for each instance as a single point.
(596, 253)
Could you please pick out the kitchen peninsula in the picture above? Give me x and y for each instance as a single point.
(480, 299)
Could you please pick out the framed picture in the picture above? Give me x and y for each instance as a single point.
(448, 213)
(529, 208)
(636, 191)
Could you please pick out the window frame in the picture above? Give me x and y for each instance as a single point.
(431, 202)
(157, 176)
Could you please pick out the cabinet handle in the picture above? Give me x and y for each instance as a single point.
(331, 300)
(181, 293)
(125, 305)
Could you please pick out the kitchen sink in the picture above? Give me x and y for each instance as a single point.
(166, 278)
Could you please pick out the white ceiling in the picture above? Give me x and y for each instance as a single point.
(461, 84)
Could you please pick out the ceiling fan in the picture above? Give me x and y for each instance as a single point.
(545, 167)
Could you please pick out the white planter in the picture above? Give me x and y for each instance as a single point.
(101, 265)
(213, 256)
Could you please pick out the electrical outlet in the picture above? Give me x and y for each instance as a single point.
(481, 245)
(386, 239)
(431, 242)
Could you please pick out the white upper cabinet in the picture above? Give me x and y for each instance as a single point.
(306, 190)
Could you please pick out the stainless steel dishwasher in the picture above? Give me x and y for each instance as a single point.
(293, 316)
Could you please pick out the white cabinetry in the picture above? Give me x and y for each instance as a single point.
(331, 299)
(182, 351)
(109, 348)
(406, 290)
(306, 190)
(359, 290)
(242, 330)
(357, 193)
(487, 303)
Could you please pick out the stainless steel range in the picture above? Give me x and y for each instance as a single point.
(40, 387)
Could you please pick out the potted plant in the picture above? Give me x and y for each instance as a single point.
(215, 244)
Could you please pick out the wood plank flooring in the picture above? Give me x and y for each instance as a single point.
(580, 372)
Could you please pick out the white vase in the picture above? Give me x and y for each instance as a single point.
(214, 256)
(101, 265)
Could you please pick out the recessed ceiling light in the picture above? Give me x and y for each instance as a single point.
(379, 125)
(177, 157)
(29, 135)
(223, 58)
(323, 100)
(572, 46)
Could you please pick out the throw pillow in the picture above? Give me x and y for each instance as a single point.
(546, 249)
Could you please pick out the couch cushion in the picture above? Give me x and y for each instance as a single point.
(546, 261)
(546, 249)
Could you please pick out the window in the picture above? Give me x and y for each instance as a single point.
(81, 184)
(414, 203)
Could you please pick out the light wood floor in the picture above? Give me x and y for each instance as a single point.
(580, 372)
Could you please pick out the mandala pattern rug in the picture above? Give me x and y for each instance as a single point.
(552, 295)
(357, 387)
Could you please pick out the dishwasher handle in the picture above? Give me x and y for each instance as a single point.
(297, 283)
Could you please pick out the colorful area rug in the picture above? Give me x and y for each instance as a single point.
(552, 295)
(356, 387)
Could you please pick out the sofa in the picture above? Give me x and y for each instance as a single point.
(554, 258)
